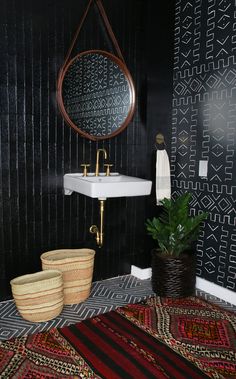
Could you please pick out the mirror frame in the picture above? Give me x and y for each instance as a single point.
(129, 79)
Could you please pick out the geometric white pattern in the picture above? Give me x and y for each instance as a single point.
(204, 128)
(105, 296)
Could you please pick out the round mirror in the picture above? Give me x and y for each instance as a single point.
(96, 94)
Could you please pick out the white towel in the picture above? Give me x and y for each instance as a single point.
(162, 176)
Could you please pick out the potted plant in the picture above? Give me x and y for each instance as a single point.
(173, 261)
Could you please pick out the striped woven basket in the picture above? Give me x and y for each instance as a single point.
(38, 296)
(77, 269)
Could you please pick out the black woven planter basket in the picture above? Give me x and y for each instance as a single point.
(173, 277)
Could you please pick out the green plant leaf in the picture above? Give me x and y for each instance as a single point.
(174, 230)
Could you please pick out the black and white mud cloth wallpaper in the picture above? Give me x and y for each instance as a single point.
(203, 158)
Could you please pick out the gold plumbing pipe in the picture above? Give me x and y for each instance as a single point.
(101, 221)
(94, 229)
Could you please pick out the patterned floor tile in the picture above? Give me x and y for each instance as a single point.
(105, 296)
(216, 300)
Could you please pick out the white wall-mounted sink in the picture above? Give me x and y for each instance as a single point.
(102, 186)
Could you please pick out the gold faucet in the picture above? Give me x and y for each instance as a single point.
(97, 160)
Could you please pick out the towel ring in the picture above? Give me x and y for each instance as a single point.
(160, 140)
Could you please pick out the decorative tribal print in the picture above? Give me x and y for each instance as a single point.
(116, 348)
(199, 331)
(157, 338)
(38, 356)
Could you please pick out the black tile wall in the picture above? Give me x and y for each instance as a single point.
(37, 147)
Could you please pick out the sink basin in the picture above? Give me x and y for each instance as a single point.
(102, 186)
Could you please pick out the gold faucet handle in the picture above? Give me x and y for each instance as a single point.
(108, 166)
(85, 166)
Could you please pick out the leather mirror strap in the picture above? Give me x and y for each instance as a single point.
(108, 28)
(77, 33)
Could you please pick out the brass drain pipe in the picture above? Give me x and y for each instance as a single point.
(94, 229)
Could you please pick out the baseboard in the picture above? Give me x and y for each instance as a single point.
(141, 273)
(215, 290)
(202, 284)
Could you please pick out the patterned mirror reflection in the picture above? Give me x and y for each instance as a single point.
(96, 94)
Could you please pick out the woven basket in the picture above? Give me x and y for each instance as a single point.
(76, 266)
(173, 277)
(38, 296)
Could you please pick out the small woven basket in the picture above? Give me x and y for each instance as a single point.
(76, 266)
(173, 277)
(38, 296)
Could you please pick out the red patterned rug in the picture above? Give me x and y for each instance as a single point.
(158, 338)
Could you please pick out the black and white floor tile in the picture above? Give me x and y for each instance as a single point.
(105, 296)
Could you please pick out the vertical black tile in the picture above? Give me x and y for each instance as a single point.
(37, 147)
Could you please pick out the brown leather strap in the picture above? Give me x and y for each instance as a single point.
(77, 32)
(108, 27)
